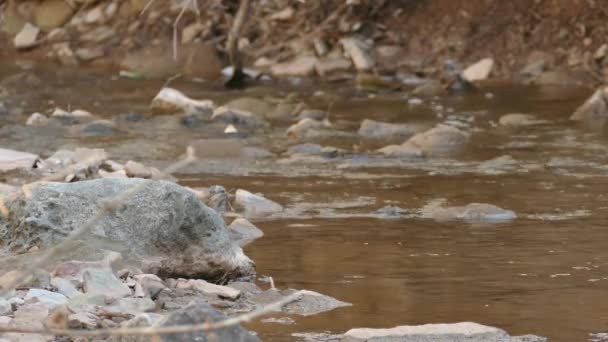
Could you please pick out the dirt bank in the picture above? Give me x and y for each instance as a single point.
(407, 37)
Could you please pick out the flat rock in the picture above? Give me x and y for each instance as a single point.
(302, 66)
(371, 129)
(594, 108)
(83, 320)
(439, 140)
(478, 71)
(473, 212)
(15, 160)
(169, 101)
(209, 289)
(47, 298)
(102, 281)
(134, 306)
(465, 331)
(163, 225)
(519, 120)
(256, 205)
(406, 151)
(244, 232)
(311, 303)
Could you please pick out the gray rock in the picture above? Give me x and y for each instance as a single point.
(83, 320)
(209, 289)
(134, 306)
(386, 131)
(439, 140)
(5, 307)
(237, 117)
(47, 298)
(65, 287)
(163, 225)
(201, 312)
(151, 284)
(94, 129)
(15, 160)
(466, 331)
(101, 281)
(311, 303)
(596, 107)
(256, 205)
(244, 232)
(86, 302)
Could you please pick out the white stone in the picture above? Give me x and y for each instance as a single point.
(93, 16)
(299, 129)
(48, 298)
(14, 160)
(37, 119)
(170, 100)
(256, 205)
(300, 66)
(284, 14)
(478, 71)
(356, 50)
(26, 38)
(230, 129)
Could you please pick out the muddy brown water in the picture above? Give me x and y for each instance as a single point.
(544, 273)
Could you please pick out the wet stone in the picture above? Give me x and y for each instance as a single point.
(465, 331)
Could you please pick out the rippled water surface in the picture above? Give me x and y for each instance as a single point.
(544, 273)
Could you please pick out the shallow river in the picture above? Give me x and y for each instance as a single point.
(544, 273)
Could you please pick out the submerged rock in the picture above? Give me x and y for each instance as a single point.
(256, 205)
(519, 120)
(473, 212)
(386, 131)
(465, 331)
(596, 107)
(303, 127)
(163, 225)
(244, 232)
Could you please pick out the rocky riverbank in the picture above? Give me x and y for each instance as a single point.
(375, 44)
